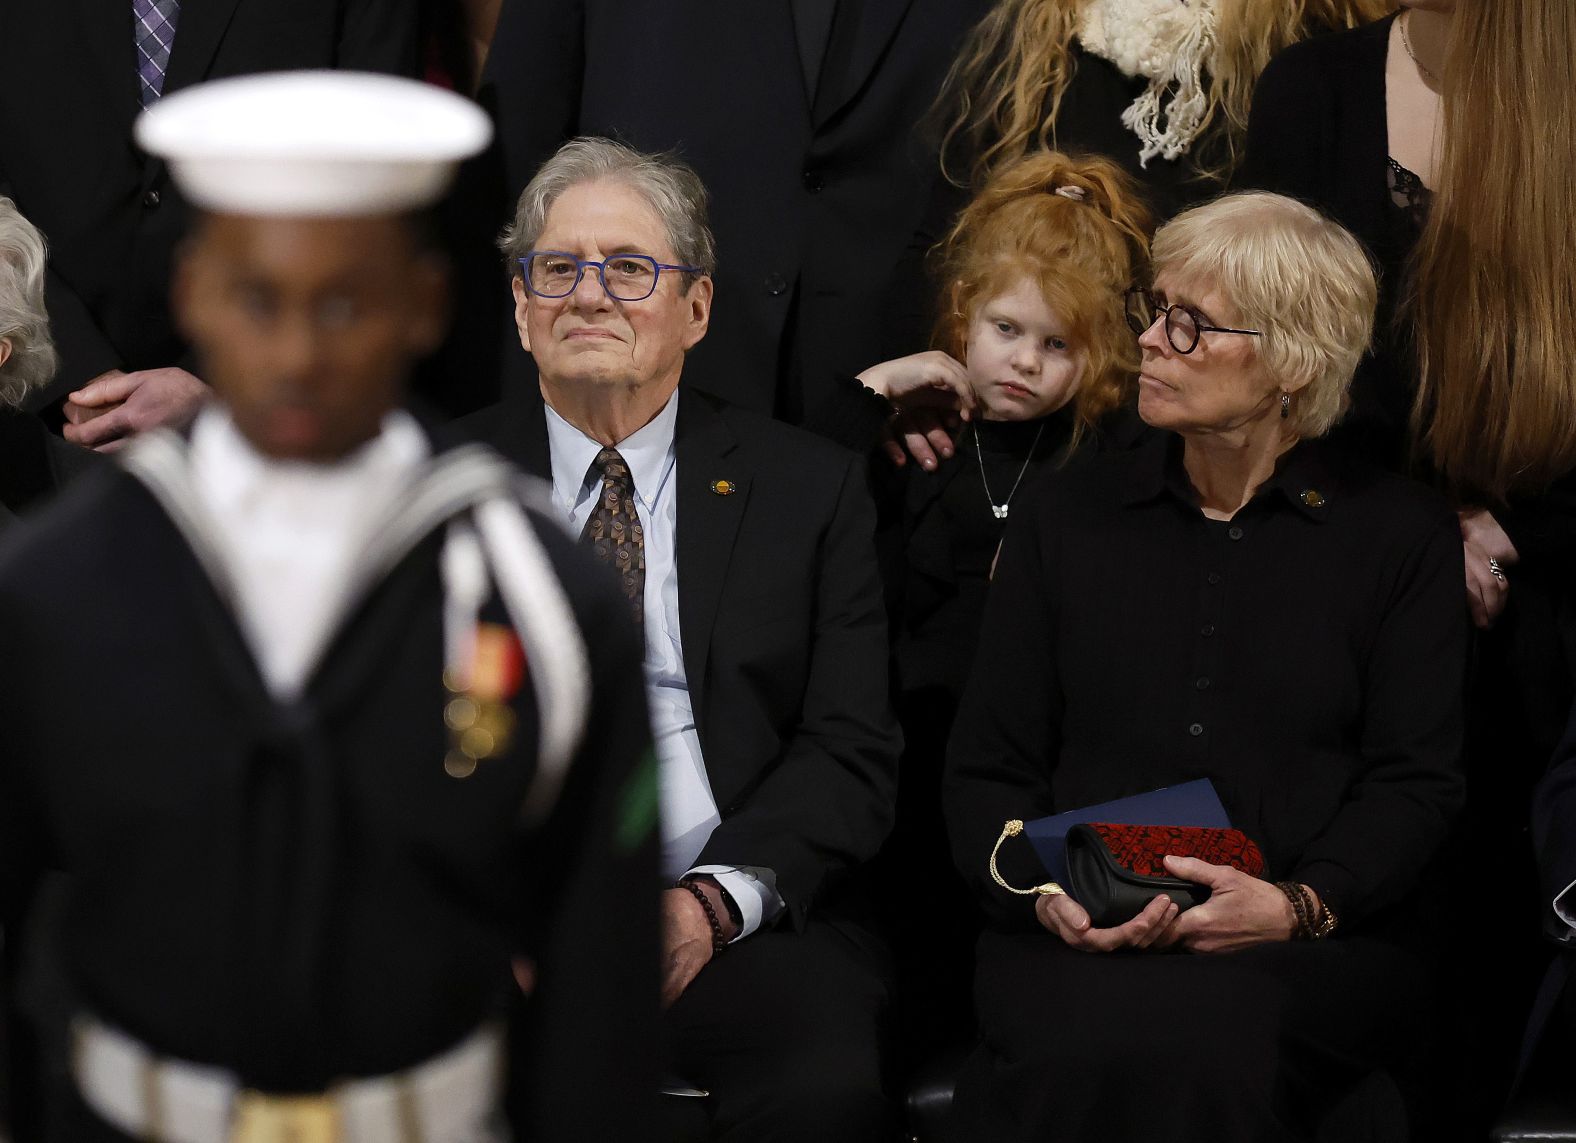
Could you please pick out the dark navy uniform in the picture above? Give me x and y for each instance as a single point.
(300, 891)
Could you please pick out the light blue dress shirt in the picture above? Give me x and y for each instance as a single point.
(689, 809)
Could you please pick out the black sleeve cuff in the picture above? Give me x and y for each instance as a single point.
(851, 415)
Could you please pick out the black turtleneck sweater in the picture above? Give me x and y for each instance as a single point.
(937, 535)
(951, 535)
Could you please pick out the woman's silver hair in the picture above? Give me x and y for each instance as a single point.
(23, 320)
(672, 188)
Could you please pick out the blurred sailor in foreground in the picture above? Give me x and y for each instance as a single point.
(328, 727)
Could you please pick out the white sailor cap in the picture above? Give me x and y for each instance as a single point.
(313, 143)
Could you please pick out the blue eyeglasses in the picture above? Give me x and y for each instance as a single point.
(625, 277)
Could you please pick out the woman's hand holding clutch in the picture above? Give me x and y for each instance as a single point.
(1242, 911)
(1068, 920)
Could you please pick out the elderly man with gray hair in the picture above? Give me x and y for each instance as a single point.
(33, 461)
(745, 548)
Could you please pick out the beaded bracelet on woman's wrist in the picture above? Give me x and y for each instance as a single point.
(1313, 922)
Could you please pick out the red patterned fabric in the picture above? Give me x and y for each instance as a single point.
(1141, 848)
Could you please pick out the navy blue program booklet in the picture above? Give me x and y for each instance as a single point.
(1190, 804)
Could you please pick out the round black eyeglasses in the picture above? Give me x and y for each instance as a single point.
(624, 277)
(1184, 325)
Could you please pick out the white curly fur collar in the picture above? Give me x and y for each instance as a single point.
(1167, 42)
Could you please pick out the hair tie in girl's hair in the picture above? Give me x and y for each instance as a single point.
(1076, 193)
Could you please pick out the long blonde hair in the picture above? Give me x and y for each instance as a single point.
(1494, 299)
(1079, 230)
(1004, 92)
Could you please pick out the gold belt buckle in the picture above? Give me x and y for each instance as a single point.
(263, 1118)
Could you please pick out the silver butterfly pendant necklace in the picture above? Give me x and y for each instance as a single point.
(1000, 510)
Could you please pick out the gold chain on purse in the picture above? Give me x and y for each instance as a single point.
(1049, 889)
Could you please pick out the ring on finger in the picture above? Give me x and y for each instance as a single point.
(1495, 570)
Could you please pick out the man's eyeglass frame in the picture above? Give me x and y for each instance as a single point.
(1200, 326)
(582, 264)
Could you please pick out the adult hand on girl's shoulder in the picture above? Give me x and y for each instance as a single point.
(931, 393)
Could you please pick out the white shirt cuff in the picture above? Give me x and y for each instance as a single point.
(754, 891)
(1565, 906)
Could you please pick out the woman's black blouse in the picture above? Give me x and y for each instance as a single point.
(1308, 658)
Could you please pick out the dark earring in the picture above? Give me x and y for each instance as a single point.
(1285, 405)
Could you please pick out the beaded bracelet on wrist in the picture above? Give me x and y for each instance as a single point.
(1326, 923)
(1312, 923)
(719, 942)
(1299, 908)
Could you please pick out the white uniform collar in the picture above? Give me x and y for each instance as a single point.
(233, 470)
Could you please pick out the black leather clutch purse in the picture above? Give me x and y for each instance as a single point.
(1114, 871)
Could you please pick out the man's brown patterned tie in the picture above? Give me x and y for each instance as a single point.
(614, 530)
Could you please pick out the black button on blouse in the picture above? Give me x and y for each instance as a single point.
(1328, 678)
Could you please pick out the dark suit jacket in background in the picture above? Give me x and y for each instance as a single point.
(1554, 829)
(812, 201)
(110, 214)
(1554, 839)
(35, 464)
(785, 637)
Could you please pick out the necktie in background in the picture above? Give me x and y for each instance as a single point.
(614, 530)
(155, 31)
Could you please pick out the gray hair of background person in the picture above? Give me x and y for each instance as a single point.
(674, 191)
(1299, 278)
(23, 320)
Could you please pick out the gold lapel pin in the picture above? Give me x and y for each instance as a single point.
(724, 487)
(1313, 498)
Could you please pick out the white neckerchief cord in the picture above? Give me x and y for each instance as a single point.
(478, 498)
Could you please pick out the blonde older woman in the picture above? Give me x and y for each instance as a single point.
(32, 461)
(1228, 601)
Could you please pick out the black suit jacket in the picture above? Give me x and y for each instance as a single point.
(35, 464)
(812, 202)
(785, 637)
(1554, 828)
(110, 214)
(1554, 840)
